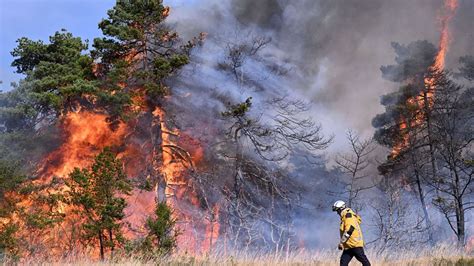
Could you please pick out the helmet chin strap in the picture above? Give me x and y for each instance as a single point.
(339, 211)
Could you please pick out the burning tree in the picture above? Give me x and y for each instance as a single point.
(248, 135)
(234, 184)
(110, 97)
(424, 125)
(405, 127)
(136, 58)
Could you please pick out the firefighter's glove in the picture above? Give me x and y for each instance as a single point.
(345, 237)
(340, 246)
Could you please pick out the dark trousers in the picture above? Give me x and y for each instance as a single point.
(347, 255)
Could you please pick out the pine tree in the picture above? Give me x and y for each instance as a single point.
(139, 50)
(60, 73)
(97, 193)
(405, 126)
(162, 233)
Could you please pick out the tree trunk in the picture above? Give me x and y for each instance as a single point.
(425, 210)
(460, 221)
(427, 114)
(157, 161)
(417, 169)
(112, 245)
(101, 243)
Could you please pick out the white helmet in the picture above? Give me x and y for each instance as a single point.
(338, 205)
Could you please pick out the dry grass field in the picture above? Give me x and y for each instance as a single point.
(439, 256)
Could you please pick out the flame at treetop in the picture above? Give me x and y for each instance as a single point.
(425, 99)
(444, 39)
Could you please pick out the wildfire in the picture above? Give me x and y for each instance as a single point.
(450, 8)
(86, 133)
(423, 100)
(178, 191)
(149, 150)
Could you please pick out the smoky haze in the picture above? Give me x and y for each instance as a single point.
(327, 52)
(335, 48)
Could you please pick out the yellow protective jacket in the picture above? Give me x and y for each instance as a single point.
(351, 235)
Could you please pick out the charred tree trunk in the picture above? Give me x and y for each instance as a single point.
(421, 196)
(157, 161)
(112, 245)
(101, 245)
(424, 208)
(460, 219)
(460, 223)
(427, 114)
(417, 167)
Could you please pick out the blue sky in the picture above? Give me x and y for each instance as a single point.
(38, 19)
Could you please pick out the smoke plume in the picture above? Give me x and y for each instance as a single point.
(332, 49)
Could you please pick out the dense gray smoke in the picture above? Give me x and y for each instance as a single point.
(334, 48)
(327, 52)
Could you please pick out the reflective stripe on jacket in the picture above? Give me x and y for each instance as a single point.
(350, 224)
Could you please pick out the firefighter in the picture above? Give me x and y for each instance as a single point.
(352, 242)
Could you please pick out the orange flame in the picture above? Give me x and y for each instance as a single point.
(178, 191)
(438, 65)
(87, 133)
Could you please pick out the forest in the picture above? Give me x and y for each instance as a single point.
(143, 143)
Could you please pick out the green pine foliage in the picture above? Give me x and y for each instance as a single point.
(10, 180)
(238, 110)
(9, 243)
(18, 109)
(98, 195)
(161, 238)
(36, 218)
(162, 233)
(135, 58)
(139, 50)
(59, 71)
(19, 127)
